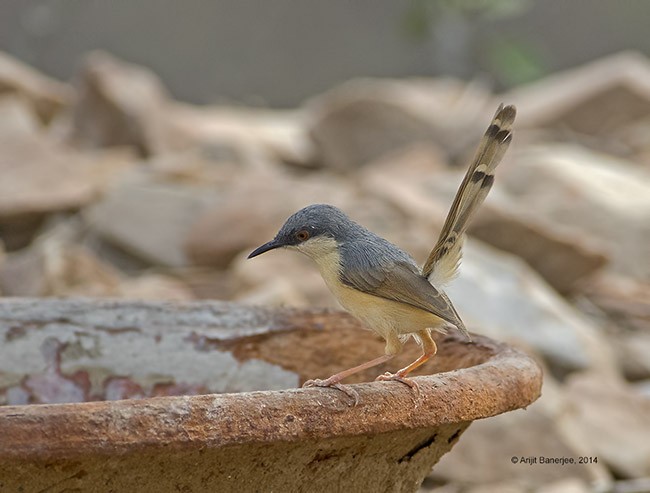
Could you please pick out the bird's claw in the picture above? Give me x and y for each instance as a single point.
(386, 377)
(351, 393)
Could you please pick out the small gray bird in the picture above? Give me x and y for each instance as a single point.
(382, 285)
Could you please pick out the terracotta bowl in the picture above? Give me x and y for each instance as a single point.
(247, 427)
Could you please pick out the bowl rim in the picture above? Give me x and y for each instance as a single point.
(508, 379)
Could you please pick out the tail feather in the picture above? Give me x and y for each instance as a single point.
(442, 264)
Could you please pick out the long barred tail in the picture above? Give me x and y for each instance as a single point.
(443, 261)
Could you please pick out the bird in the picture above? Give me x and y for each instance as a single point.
(382, 285)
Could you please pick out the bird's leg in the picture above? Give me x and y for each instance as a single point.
(429, 350)
(334, 380)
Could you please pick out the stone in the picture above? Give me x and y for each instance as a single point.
(498, 487)
(484, 456)
(614, 421)
(154, 287)
(596, 99)
(198, 166)
(206, 283)
(120, 104)
(640, 485)
(59, 263)
(249, 134)
(123, 104)
(282, 279)
(622, 307)
(499, 295)
(275, 292)
(431, 486)
(30, 163)
(147, 219)
(252, 210)
(16, 117)
(626, 301)
(588, 194)
(56, 265)
(46, 96)
(395, 179)
(632, 351)
(363, 119)
(564, 259)
(567, 485)
(29, 167)
(642, 388)
(415, 181)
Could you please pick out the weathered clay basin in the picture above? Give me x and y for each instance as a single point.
(248, 439)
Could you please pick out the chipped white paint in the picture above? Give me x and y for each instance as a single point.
(146, 343)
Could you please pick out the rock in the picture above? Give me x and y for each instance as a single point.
(498, 487)
(246, 133)
(154, 287)
(415, 181)
(625, 300)
(16, 117)
(125, 104)
(502, 297)
(277, 292)
(283, 279)
(614, 422)
(149, 220)
(395, 181)
(640, 485)
(429, 486)
(568, 485)
(206, 283)
(120, 104)
(592, 195)
(564, 259)
(597, 99)
(29, 166)
(363, 119)
(55, 265)
(31, 163)
(59, 263)
(632, 351)
(622, 307)
(251, 212)
(199, 167)
(485, 454)
(45, 95)
(483, 459)
(642, 388)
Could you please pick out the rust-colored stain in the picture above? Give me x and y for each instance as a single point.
(316, 344)
(286, 440)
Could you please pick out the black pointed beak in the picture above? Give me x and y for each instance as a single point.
(265, 248)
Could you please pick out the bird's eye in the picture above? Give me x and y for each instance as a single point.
(302, 235)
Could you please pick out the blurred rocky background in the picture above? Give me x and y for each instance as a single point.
(112, 187)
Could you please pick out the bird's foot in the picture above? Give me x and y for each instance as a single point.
(400, 378)
(351, 393)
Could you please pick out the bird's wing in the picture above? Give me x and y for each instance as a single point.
(442, 264)
(403, 283)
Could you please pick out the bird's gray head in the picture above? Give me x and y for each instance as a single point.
(314, 229)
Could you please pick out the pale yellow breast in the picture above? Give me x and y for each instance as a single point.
(386, 317)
